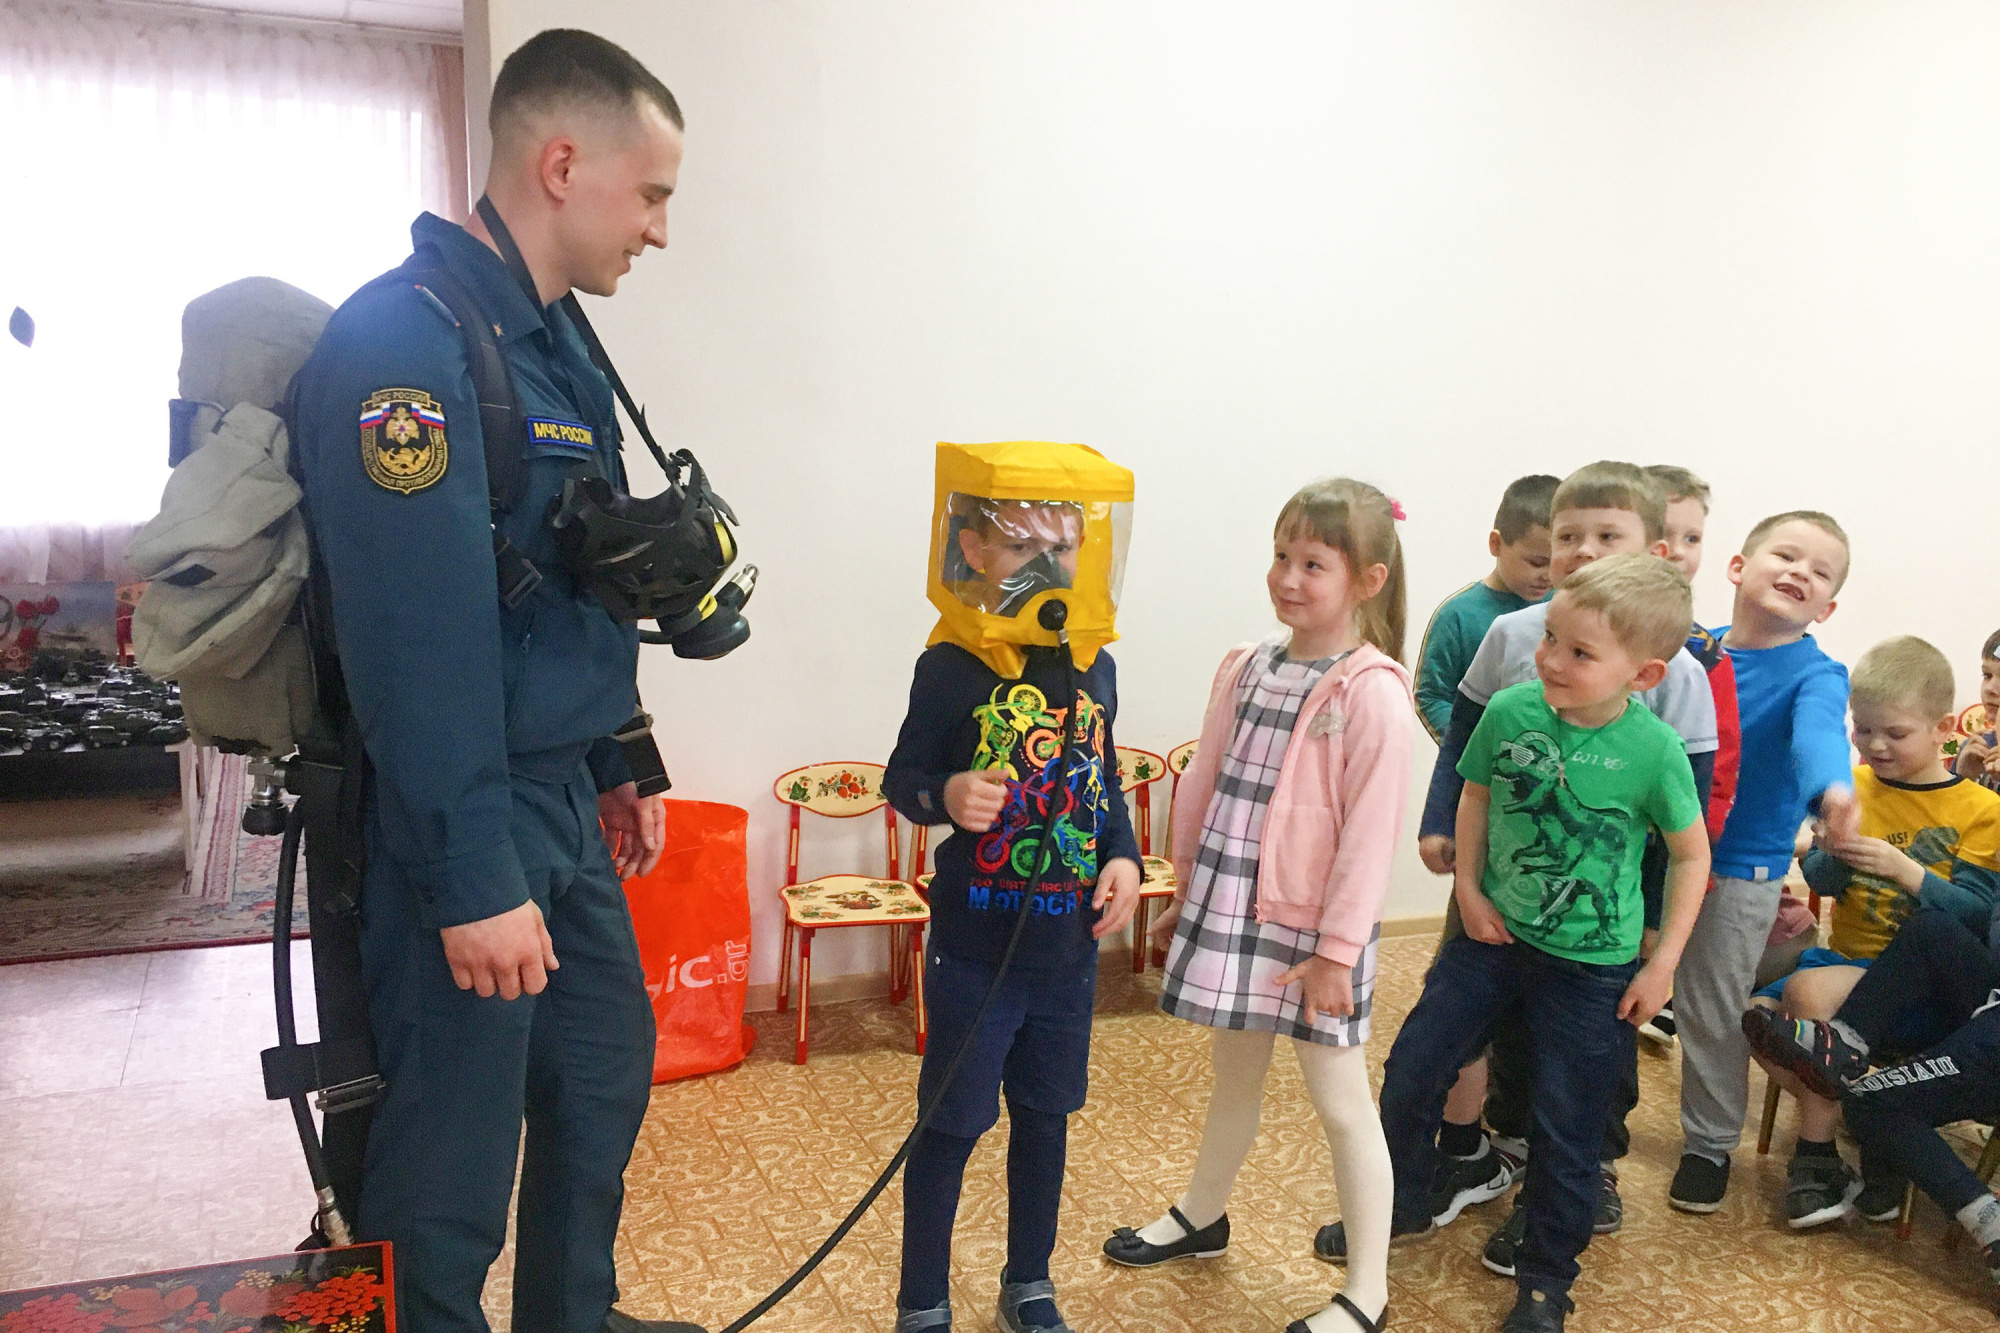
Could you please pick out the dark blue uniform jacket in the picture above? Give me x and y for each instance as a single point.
(453, 693)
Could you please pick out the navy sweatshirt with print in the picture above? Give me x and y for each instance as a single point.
(964, 715)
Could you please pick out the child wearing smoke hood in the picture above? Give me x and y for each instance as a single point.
(983, 748)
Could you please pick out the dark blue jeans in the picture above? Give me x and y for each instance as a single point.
(1570, 1011)
(1938, 973)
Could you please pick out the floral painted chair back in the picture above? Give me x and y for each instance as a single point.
(838, 791)
(1138, 770)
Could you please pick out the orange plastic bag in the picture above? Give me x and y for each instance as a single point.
(692, 917)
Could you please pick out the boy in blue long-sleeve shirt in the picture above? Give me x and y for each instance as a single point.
(980, 750)
(1792, 707)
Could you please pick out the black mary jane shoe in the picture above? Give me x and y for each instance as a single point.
(1361, 1321)
(1125, 1247)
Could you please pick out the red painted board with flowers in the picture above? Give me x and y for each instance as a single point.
(345, 1290)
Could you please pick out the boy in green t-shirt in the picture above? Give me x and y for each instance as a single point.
(1519, 544)
(1564, 776)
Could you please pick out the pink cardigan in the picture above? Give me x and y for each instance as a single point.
(1337, 810)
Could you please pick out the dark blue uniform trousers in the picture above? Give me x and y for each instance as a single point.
(1574, 1046)
(463, 1072)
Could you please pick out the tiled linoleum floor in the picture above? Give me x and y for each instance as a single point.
(133, 1135)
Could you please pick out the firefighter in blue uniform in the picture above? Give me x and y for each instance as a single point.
(502, 975)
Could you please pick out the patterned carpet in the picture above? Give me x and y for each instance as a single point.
(739, 1175)
(102, 875)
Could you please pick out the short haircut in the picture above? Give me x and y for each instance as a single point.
(565, 69)
(1904, 672)
(1824, 522)
(1677, 483)
(1524, 506)
(1608, 485)
(1646, 601)
(1992, 648)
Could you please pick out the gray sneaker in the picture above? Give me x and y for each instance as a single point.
(922, 1321)
(1819, 1191)
(1014, 1295)
(1882, 1200)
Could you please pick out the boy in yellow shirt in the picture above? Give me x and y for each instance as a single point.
(1927, 838)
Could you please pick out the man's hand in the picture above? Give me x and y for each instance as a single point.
(1161, 933)
(1482, 920)
(1873, 856)
(1839, 815)
(1647, 994)
(1439, 853)
(1329, 987)
(634, 828)
(510, 953)
(1117, 895)
(974, 799)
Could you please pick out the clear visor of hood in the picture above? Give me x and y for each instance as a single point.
(999, 555)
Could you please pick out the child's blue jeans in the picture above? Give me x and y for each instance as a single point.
(1571, 1013)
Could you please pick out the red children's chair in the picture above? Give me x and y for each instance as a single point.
(831, 902)
(1138, 770)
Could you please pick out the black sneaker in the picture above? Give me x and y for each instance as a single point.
(1537, 1312)
(1464, 1181)
(1330, 1245)
(1610, 1213)
(1660, 1029)
(1498, 1256)
(1819, 1192)
(1699, 1184)
(1814, 1052)
(1127, 1248)
(1882, 1200)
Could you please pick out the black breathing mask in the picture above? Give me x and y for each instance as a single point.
(665, 558)
(1024, 584)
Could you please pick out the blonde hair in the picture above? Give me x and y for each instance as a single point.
(1677, 483)
(1608, 485)
(1824, 522)
(1358, 521)
(1645, 600)
(1904, 672)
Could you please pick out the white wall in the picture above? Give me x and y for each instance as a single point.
(1434, 245)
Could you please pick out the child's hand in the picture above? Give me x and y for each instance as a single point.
(1482, 920)
(1117, 895)
(974, 799)
(1872, 856)
(1439, 853)
(1161, 932)
(1839, 815)
(1971, 759)
(1329, 987)
(1647, 994)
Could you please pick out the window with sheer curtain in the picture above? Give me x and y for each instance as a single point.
(159, 154)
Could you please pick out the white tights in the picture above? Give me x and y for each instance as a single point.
(1337, 1081)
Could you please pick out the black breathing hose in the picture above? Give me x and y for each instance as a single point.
(330, 1219)
(1053, 615)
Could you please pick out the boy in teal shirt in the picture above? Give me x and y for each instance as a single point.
(1519, 544)
(1564, 776)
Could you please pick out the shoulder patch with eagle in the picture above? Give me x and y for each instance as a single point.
(402, 439)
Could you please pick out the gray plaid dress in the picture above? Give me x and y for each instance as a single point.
(1223, 966)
